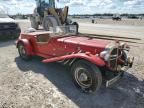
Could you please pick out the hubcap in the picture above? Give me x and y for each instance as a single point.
(83, 77)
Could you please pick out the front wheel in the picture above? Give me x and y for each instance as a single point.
(22, 52)
(86, 76)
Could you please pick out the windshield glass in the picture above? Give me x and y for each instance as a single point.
(2, 14)
(64, 30)
(45, 3)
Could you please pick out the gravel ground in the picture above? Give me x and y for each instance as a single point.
(34, 84)
(124, 21)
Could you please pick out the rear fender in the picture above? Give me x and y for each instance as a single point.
(87, 56)
(26, 44)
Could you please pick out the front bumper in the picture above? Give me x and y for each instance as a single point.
(113, 80)
(130, 61)
(9, 33)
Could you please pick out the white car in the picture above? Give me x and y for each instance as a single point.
(9, 28)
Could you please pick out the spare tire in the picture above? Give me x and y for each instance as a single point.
(49, 21)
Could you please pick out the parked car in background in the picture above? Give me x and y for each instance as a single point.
(133, 17)
(116, 17)
(9, 28)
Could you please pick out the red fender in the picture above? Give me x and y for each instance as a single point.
(87, 56)
(27, 45)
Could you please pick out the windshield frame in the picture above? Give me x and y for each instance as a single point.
(63, 30)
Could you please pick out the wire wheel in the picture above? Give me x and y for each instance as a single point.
(86, 76)
(83, 77)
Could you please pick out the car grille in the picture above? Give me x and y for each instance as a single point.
(5, 26)
(112, 63)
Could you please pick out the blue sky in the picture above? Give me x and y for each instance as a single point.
(78, 6)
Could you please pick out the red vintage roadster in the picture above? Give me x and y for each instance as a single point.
(92, 60)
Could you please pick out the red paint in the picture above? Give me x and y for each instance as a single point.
(94, 59)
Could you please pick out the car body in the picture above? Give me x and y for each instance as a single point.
(9, 28)
(91, 60)
(133, 17)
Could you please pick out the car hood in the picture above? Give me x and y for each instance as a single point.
(86, 42)
(7, 20)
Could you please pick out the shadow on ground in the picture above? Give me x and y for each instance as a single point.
(128, 93)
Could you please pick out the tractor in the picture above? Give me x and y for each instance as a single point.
(47, 15)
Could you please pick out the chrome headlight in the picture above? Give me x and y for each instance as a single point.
(105, 55)
(124, 46)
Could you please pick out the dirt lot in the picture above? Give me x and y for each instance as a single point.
(36, 85)
(124, 21)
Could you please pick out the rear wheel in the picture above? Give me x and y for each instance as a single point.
(22, 52)
(86, 76)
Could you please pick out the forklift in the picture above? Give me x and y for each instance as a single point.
(47, 15)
